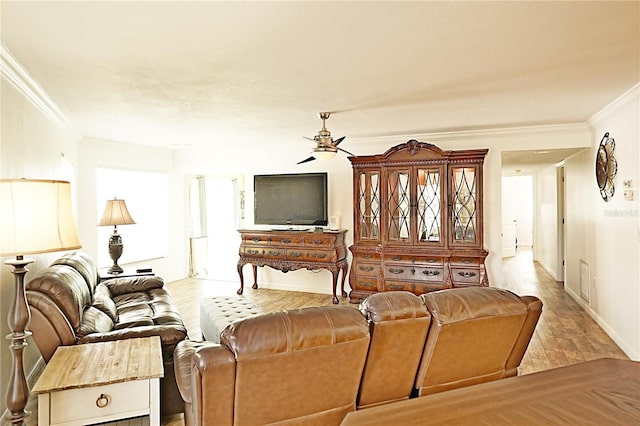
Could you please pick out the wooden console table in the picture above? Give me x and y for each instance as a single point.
(290, 250)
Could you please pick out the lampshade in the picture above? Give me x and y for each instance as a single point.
(323, 153)
(36, 217)
(116, 213)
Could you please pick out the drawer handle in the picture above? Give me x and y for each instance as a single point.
(396, 287)
(286, 240)
(366, 256)
(466, 261)
(431, 273)
(253, 251)
(396, 270)
(103, 400)
(274, 253)
(366, 268)
(396, 257)
(467, 274)
(256, 240)
(319, 255)
(295, 254)
(432, 260)
(317, 242)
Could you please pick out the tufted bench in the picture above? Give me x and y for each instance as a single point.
(216, 313)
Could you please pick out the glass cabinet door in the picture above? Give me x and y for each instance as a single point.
(464, 195)
(429, 213)
(399, 206)
(368, 207)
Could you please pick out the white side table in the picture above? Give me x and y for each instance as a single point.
(101, 382)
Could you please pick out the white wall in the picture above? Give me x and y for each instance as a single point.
(96, 153)
(33, 145)
(517, 205)
(546, 233)
(607, 234)
(282, 158)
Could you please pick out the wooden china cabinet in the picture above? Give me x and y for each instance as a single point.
(417, 220)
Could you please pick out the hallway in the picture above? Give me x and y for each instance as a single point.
(565, 334)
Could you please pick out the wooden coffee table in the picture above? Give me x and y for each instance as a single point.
(101, 382)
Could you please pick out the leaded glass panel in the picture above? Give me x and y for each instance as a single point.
(428, 195)
(464, 204)
(399, 206)
(369, 206)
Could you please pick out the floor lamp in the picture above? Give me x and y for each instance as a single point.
(36, 216)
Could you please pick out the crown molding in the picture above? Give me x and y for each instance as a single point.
(17, 75)
(627, 99)
(569, 128)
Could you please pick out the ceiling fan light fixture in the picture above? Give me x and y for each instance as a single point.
(323, 153)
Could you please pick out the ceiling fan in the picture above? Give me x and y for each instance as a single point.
(326, 148)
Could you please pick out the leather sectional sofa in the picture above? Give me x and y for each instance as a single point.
(69, 306)
(312, 366)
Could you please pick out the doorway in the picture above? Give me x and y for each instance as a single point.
(517, 214)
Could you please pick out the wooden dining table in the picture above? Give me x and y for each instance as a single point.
(599, 392)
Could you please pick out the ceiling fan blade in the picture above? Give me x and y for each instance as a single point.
(344, 150)
(337, 141)
(310, 139)
(306, 160)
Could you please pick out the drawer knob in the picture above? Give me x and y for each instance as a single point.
(467, 274)
(396, 271)
(103, 400)
(430, 273)
(366, 268)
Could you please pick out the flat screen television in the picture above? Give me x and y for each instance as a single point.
(290, 199)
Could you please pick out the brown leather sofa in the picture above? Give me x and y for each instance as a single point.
(295, 367)
(68, 306)
(270, 369)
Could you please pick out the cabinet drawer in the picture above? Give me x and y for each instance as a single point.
(413, 259)
(415, 273)
(320, 256)
(319, 241)
(365, 283)
(255, 239)
(366, 269)
(121, 400)
(286, 240)
(465, 261)
(367, 257)
(413, 287)
(465, 275)
(264, 252)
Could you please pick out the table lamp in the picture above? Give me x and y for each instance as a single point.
(115, 213)
(36, 216)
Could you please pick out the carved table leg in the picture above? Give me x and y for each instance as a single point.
(255, 277)
(335, 273)
(344, 275)
(240, 265)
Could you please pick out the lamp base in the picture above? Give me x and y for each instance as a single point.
(19, 317)
(115, 251)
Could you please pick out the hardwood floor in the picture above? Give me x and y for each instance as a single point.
(564, 335)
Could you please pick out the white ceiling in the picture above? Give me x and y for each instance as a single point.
(206, 73)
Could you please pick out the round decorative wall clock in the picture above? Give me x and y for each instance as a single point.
(606, 167)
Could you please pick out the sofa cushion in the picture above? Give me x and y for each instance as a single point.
(102, 300)
(82, 263)
(66, 287)
(120, 286)
(94, 321)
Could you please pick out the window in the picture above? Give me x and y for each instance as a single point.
(146, 196)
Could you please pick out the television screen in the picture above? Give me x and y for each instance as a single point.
(290, 199)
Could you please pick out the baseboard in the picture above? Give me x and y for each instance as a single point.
(604, 325)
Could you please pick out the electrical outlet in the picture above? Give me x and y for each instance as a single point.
(627, 183)
(628, 194)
